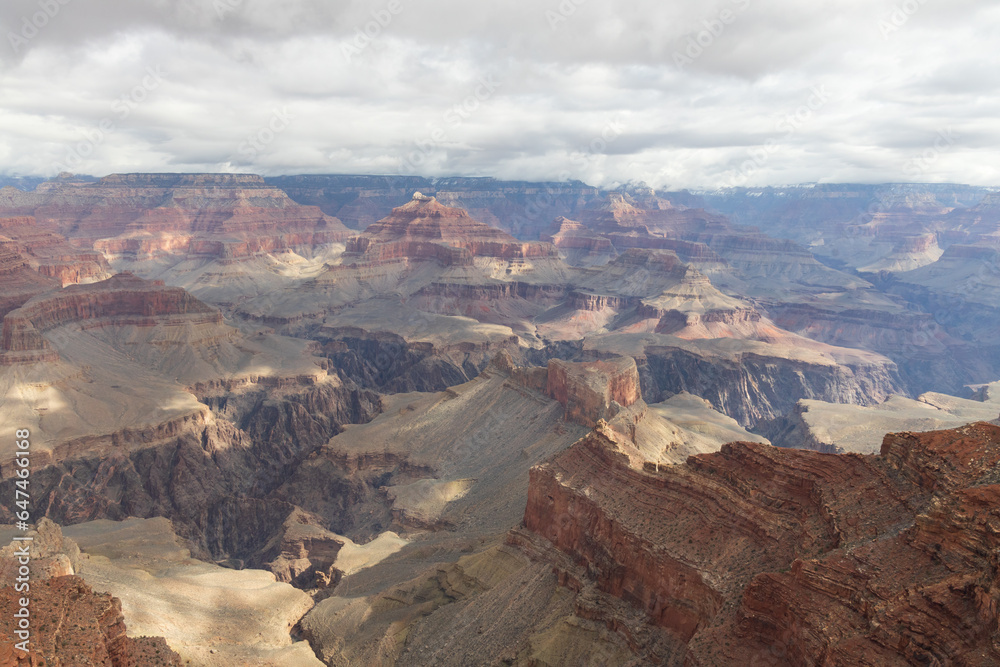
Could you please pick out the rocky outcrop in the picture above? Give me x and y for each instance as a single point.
(375, 252)
(68, 623)
(910, 251)
(50, 254)
(890, 333)
(758, 555)
(519, 207)
(75, 625)
(755, 386)
(960, 291)
(688, 251)
(597, 302)
(843, 428)
(925, 595)
(20, 282)
(229, 217)
(357, 200)
(425, 229)
(387, 362)
(492, 291)
(51, 554)
(836, 211)
(279, 537)
(694, 308)
(34, 261)
(591, 391)
(976, 224)
(123, 299)
(567, 234)
(211, 476)
(929, 357)
(710, 242)
(577, 244)
(507, 303)
(230, 237)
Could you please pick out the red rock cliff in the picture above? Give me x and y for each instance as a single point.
(73, 625)
(418, 229)
(766, 556)
(589, 390)
(124, 297)
(49, 253)
(229, 216)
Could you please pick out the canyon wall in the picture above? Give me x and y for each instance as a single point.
(759, 555)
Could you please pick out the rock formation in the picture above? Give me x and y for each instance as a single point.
(210, 615)
(49, 253)
(34, 261)
(831, 427)
(132, 217)
(122, 299)
(51, 554)
(425, 229)
(69, 622)
(577, 244)
(518, 207)
(75, 625)
(142, 402)
(357, 412)
(787, 556)
(594, 390)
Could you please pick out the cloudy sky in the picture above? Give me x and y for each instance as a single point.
(677, 93)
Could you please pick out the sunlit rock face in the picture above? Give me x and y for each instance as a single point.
(426, 229)
(370, 414)
(67, 617)
(229, 217)
(757, 553)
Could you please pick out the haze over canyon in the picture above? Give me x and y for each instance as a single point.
(398, 420)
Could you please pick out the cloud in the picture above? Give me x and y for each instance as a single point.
(520, 89)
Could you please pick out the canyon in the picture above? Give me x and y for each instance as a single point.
(399, 420)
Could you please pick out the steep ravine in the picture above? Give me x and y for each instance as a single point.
(211, 476)
(754, 388)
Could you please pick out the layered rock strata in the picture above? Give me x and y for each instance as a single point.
(135, 217)
(519, 207)
(789, 556)
(124, 298)
(591, 391)
(50, 254)
(425, 229)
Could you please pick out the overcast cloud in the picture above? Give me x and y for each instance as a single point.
(678, 94)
